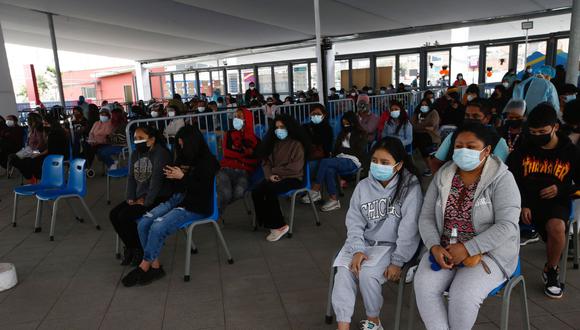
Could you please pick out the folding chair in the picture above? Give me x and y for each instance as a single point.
(292, 195)
(211, 140)
(357, 173)
(76, 188)
(52, 178)
(118, 173)
(188, 226)
(506, 289)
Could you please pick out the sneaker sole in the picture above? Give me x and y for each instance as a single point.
(530, 241)
(551, 296)
(307, 201)
(279, 237)
(330, 209)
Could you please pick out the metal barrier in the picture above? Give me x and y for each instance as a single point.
(381, 103)
(298, 111)
(336, 108)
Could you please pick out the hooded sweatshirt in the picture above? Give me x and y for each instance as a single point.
(239, 146)
(535, 169)
(376, 215)
(146, 175)
(495, 213)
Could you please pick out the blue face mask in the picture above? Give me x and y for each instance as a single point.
(316, 119)
(395, 114)
(281, 133)
(424, 108)
(238, 123)
(569, 98)
(382, 172)
(467, 159)
(104, 119)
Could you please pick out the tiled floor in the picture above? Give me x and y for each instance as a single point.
(74, 282)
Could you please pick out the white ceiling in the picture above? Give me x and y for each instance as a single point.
(150, 29)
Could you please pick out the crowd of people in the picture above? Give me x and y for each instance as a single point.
(496, 164)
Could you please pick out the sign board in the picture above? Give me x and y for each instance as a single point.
(527, 25)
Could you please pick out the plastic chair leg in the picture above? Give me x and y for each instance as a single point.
(412, 309)
(186, 273)
(328, 316)
(108, 190)
(400, 292)
(14, 210)
(292, 207)
(77, 217)
(511, 285)
(53, 219)
(314, 210)
(575, 238)
(117, 249)
(564, 260)
(39, 206)
(93, 220)
(223, 241)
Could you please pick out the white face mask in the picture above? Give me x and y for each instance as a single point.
(383, 92)
(470, 98)
(10, 123)
(171, 113)
(302, 99)
(352, 94)
(201, 109)
(370, 91)
(104, 119)
(252, 87)
(506, 84)
(154, 114)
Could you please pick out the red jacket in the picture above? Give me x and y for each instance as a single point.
(239, 146)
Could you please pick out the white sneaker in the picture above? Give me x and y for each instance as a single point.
(315, 195)
(330, 205)
(276, 234)
(369, 325)
(114, 166)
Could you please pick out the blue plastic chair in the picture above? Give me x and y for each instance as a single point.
(260, 131)
(76, 188)
(52, 178)
(211, 140)
(506, 288)
(116, 174)
(292, 195)
(188, 226)
(573, 223)
(336, 125)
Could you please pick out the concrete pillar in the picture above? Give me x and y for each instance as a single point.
(321, 89)
(7, 98)
(143, 82)
(56, 60)
(574, 46)
(329, 67)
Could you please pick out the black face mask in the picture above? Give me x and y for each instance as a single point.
(513, 123)
(540, 140)
(141, 147)
(347, 129)
(471, 121)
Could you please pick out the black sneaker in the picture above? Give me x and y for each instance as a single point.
(151, 275)
(529, 237)
(137, 257)
(553, 287)
(127, 256)
(133, 277)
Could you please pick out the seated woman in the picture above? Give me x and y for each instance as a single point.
(116, 141)
(283, 159)
(319, 132)
(56, 144)
(513, 126)
(80, 126)
(398, 125)
(469, 223)
(146, 188)
(426, 136)
(192, 199)
(11, 139)
(368, 120)
(382, 233)
(350, 152)
(239, 161)
(97, 139)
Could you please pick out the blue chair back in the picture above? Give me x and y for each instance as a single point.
(260, 131)
(215, 214)
(517, 272)
(335, 123)
(307, 183)
(211, 140)
(77, 180)
(53, 171)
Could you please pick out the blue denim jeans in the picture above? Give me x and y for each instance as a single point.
(106, 153)
(329, 168)
(164, 220)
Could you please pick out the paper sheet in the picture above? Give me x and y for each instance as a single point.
(374, 253)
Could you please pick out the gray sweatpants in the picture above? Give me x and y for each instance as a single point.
(468, 287)
(344, 292)
(231, 186)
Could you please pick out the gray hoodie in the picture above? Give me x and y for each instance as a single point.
(371, 218)
(146, 176)
(495, 213)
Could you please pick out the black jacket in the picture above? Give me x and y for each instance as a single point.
(320, 136)
(358, 145)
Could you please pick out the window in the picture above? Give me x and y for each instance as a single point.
(179, 83)
(562, 52)
(217, 79)
(156, 83)
(191, 86)
(300, 76)
(535, 55)
(361, 72)
(167, 87)
(385, 72)
(341, 74)
(247, 78)
(281, 80)
(313, 75)
(233, 82)
(204, 83)
(465, 60)
(409, 69)
(89, 92)
(438, 70)
(265, 79)
(496, 58)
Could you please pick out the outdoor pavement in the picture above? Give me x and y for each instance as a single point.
(74, 282)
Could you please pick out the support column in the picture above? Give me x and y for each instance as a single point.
(319, 80)
(7, 98)
(143, 82)
(574, 46)
(56, 60)
(329, 54)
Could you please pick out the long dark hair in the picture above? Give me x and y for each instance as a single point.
(152, 132)
(403, 118)
(295, 132)
(194, 146)
(352, 118)
(395, 147)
